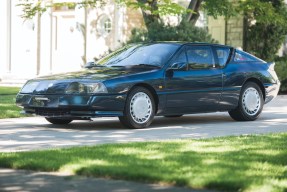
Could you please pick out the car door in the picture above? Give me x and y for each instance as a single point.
(193, 81)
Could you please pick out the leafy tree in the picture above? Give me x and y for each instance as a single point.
(266, 28)
(151, 7)
(266, 20)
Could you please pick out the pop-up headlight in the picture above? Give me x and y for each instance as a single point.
(29, 87)
(88, 88)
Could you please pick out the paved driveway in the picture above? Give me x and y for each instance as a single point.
(35, 133)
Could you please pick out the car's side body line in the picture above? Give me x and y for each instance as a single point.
(188, 91)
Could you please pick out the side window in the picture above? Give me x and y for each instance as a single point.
(200, 57)
(242, 57)
(180, 61)
(222, 55)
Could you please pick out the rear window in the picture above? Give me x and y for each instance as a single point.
(241, 56)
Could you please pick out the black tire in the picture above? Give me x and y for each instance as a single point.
(58, 121)
(173, 116)
(243, 112)
(130, 119)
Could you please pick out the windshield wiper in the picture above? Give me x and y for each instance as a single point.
(116, 66)
(148, 65)
(137, 65)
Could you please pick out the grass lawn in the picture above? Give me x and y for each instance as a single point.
(246, 163)
(8, 109)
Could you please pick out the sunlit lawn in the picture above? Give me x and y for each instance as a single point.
(8, 109)
(246, 163)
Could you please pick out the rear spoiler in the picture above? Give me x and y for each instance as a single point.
(271, 66)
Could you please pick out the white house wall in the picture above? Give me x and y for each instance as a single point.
(3, 38)
(61, 43)
(23, 44)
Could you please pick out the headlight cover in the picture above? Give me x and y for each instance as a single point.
(85, 88)
(29, 87)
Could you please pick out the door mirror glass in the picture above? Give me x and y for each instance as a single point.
(178, 66)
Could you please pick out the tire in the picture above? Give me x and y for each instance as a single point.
(58, 121)
(250, 103)
(173, 116)
(139, 109)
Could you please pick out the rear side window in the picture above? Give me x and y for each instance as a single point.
(241, 56)
(222, 55)
(200, 57)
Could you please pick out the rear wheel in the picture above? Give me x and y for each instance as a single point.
(139, 109)
(250, 103)
(58, 121)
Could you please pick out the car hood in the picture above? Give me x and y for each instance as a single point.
(99, 74)
(56, 84)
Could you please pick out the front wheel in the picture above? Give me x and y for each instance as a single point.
(139, 109)
(58, 121)
(250, 103)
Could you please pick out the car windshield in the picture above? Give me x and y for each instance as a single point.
(154, 55)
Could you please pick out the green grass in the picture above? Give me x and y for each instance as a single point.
(246, 163)
(8, 109)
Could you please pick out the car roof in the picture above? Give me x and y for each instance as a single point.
(187, 43)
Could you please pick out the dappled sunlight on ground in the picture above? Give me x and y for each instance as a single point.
(35, 133)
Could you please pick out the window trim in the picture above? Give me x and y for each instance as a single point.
(230, 56)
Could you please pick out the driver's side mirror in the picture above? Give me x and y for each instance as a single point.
(89, 65)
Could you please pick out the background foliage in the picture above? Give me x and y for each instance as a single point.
(281, 70)
(158, 31)
(266, 36)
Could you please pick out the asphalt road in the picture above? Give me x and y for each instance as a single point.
(34, 133)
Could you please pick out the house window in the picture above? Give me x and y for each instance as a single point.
(104, 25)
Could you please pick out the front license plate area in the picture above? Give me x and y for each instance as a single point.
(44, 101)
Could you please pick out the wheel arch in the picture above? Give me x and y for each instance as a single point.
(151, 89)
(259, 83)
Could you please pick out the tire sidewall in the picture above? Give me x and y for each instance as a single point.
(127, 112)
(245, 87)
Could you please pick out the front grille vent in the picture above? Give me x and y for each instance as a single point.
(52, 113)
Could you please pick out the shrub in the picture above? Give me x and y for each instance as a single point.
(281, 70)
(158, 31)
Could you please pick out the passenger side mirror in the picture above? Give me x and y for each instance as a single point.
(89, 65)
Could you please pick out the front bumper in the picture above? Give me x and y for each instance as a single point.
(271, 91)
(72, 106)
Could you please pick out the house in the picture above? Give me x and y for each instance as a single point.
(228, 32)
(59, 41)
(54, 43)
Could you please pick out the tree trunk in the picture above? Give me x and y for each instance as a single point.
(149, 16)
(193, 6)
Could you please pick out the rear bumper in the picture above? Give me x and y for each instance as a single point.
(271, 91)
(72, 106)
